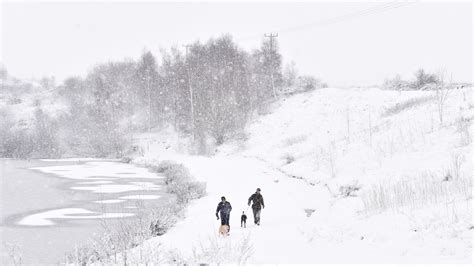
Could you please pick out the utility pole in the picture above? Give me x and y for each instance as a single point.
(271, 36)
(149, 99)
(191, 94)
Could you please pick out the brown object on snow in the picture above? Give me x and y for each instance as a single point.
(224, 230)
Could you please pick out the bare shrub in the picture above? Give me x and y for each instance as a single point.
(457, 161)
(395, 83)
(402, 106)
(187, 191)
(162, 166)
(180, 182)
(463, 125)
(416, 192)
(303, 84)
(288, 158)
(126, 159)
(294, 140)
(117, 238)
(222, 250)
(176, 174)
(163, 219)
(349, 190)
(423, 79)
(330, 156)
(14, 254)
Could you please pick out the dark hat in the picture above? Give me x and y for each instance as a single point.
(222, 198)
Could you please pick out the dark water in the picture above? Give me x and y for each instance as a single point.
(25, 191)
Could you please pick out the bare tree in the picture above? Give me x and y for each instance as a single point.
(441, 94)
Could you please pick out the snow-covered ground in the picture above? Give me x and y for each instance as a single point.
(348, 176)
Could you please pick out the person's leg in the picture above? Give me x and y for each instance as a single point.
(257, 216)
(223, 219)
(254, 215)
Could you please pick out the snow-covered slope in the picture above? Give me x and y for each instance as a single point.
(348, 176)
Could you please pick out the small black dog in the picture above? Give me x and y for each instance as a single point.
(243, 220)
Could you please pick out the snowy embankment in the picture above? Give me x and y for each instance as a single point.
(348, 176)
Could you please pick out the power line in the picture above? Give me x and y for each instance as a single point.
(374, 10)
(360, 13)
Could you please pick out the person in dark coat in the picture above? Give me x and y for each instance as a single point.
(243, 220)
(224, 208)
(257, 205)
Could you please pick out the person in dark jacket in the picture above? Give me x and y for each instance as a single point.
(257, 205)
(243, 220)
(224, 208)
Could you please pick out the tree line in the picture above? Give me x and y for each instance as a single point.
(208, 92)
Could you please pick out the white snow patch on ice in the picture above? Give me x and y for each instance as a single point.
(117, 188)
(95, 182)
(45, 218)
(92, 170)
(141, 197)
(110, 201)
(77, 159)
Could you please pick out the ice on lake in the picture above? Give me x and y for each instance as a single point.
(45, 218)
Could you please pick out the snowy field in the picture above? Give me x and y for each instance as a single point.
(348, 176)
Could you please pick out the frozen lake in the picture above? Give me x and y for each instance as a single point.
(47, 208)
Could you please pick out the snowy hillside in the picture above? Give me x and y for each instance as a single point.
(348, 176)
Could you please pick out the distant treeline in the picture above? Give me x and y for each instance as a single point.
(208, 91)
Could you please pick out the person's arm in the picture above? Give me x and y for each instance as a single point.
(250, 199)
(263, 204)
(230, 207)
(218, 209)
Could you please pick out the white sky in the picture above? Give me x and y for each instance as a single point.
(64, 39)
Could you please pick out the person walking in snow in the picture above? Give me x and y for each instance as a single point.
(224, 208)
(257, 205)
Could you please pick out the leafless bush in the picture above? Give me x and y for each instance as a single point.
(126, 159)
(162, 166)
(176, 174)
(330, 156)
(180, 182)
(348, 190)
(402, 106)
(223, 250)
(294, 140)
(113, 244)
(441, 95)
(303, 84)
(463, 125)
(395, 83)
(14, 254)
(428, 189)
(457, 161)
(307, 83)
(187, 191)
(423, 78)
(288, 158)
(163, 219)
